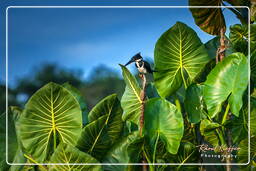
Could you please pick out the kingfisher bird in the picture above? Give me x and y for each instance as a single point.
(142, 66)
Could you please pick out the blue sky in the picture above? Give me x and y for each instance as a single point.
(85, 38)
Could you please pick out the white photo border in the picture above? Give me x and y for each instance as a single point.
(199, 164)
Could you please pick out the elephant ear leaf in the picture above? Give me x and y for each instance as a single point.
(104, 128)
(51, 115)
(194, 103)
(76, 93)
(131, 101)
(69, 154)
(239, 37)
(179, 56)
(163, 121)
(228, 79)
(119, 153)
(209, 132)
(210, 20)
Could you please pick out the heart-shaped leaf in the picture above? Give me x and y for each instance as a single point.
(239, 37)
(51, 115)
(68, 154)
(208, 131)
(104, 128)
(131, 101)
(210, 20)
(163, 121)
(243, 153)
(188, 153)
(228, 79)
(119, 153)
(253, 64)
(75, 92)
(179, 57)
(194, 103)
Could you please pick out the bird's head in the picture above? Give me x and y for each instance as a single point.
(135, 58)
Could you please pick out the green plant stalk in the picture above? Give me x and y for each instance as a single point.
(177, 103)
(221, 137)
(151, 168)
(31, 159)
(225, 115)
(154, 152)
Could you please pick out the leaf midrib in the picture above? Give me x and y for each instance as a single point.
(106, 122)
(133, 88)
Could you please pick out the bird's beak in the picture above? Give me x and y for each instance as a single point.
(131, 61)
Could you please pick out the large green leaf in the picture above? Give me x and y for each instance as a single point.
(68, 154)
(228, 79)
(77, 94)
(131, 101)
(194, 103)
(210, 20)
(119, 153)
(179, 57)
(164, 121)
(51, 115)
(209, 132)
(239, 125)
(239, 37)
(244, 151)
(104, 128)
(253, 64)
(188, 153)
(12, 140)
(253, 117)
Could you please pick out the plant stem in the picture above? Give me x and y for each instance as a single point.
(225, 115)
(142, 97)
(151, 168)
(221, 137)
(34, 161)
(154, 152)
(177, 103)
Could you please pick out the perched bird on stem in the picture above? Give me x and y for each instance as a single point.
(142, 66)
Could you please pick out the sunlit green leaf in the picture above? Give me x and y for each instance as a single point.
(51, 115)
(131, 101)
(104, 129)
(163, 120)
(179, 56)
(77, 94)
(228, 79)
(69, 154)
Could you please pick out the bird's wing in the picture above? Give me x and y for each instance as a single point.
(148, 67)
